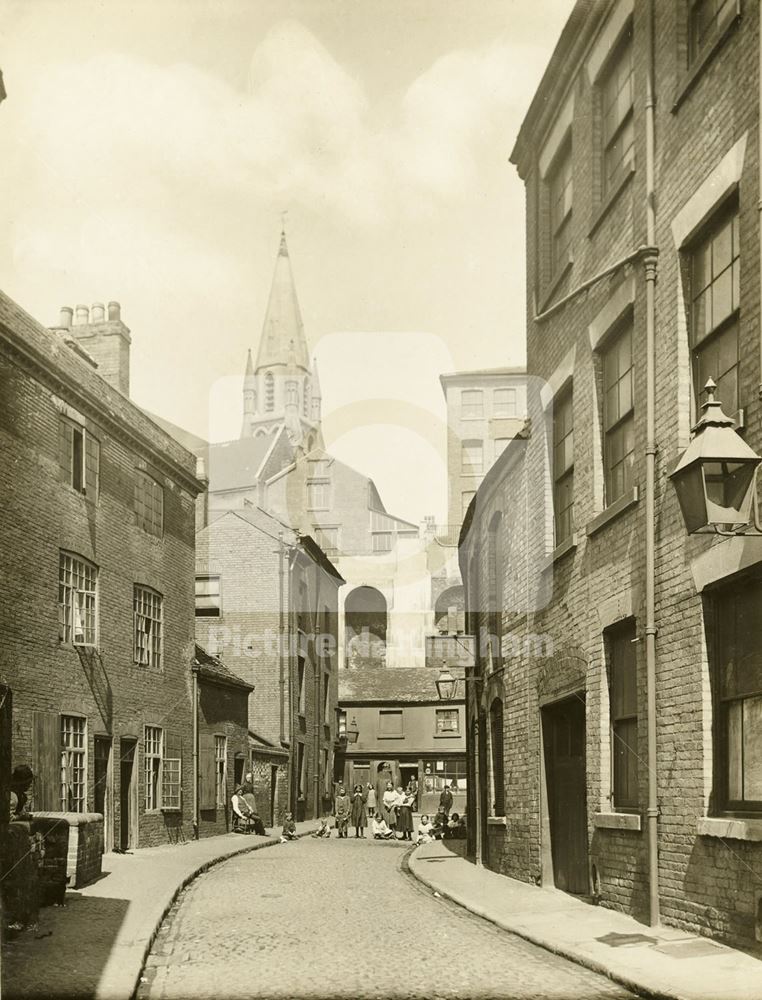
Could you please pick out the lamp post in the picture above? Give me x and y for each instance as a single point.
(715, 478)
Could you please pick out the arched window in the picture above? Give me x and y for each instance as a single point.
(269, 392)
(496, 755)
(495, 590)
(306, 400)
(292, 394)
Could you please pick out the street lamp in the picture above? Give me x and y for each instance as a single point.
(353, 733)
(716, 476)
(447, 685)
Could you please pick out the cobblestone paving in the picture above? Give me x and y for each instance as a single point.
(334, 918)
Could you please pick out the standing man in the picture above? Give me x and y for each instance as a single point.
(445, 801)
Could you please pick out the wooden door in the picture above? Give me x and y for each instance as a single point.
(128, 795)
(564, 744)
(103, 788)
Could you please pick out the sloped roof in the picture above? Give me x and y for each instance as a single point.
(213, 669)
(235, 464)
(391, 684)
(187, 439)
(283, 341)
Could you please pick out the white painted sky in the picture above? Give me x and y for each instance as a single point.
(148, 148)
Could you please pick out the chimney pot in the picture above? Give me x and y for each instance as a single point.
(97, 313)
(82, 316)
(114, 311)
(66, 316)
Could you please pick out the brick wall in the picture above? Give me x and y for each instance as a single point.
(704, 882)
(42, 515)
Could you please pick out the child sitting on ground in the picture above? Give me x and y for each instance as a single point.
(289, 829)
(324, 830)
(439, 826)
(456, 827)
(380, 828)
(424, 831)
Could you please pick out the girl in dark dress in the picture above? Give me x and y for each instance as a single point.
(357, 814)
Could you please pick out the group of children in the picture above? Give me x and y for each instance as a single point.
(442, 826)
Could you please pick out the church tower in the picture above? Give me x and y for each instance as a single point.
(281, 390)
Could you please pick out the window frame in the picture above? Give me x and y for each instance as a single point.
(152, 768)
(68, 754)
(472, 468)
(301, 685)
(563, 479)
(611, 179)
(621, 656)
(619, 426)
(474, 409)
(508, 409)
(496, 720)
(67, 612)
(148, 516)
(725, 600)
(439, 717)
(155, 649)
(208, 576)
(704, 243)
(697, 48)
(391, 713)
(220, 770)
(560, 226)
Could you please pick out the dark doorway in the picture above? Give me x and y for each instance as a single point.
(408, 772)
(238, 763)
(563, 726)
(128, 795)
(103, 789)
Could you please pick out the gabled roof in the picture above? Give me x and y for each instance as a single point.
(391, 684)
(187, 439)
(283, 341)
(236, 464)
(213, 669)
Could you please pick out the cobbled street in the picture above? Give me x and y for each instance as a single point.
(343, 919)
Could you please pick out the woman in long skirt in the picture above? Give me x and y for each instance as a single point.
(389, 806)
(404, 815)
(357, 815)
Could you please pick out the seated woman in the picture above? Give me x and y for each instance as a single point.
(380, 828)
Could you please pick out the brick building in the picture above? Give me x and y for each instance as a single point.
(404, 731)
(98, 561)
(267, 600)
(614, 718)
(485, 409)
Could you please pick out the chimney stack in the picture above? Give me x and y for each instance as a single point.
(106, 340)
(66, 317)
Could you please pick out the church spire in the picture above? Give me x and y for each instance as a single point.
(283, 321)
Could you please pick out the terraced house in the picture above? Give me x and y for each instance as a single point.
(97, 526)
(615, 715)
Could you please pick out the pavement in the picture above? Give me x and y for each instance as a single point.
(96, 945)
(662, 962)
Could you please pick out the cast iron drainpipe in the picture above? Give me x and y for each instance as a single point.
(281, 637)
(194, 716)
(650, 266)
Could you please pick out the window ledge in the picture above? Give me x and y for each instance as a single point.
(385, 736)
(553, 284)
(617, 821)
(496, 821)
(609, 201)
(612, 512)
(567, 545)
(447, 736)
(729, 829)
(695, 72)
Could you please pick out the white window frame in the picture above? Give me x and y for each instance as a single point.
(153, 756)
(469, 449)
(77, 600)
(471, 404)
(221, 769)
(148, 627)
(73, 785)
(505, 402)
(209, 595)
(441, 715)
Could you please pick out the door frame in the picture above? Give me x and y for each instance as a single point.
(127, 745)
(546, 708)
(108, 790)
